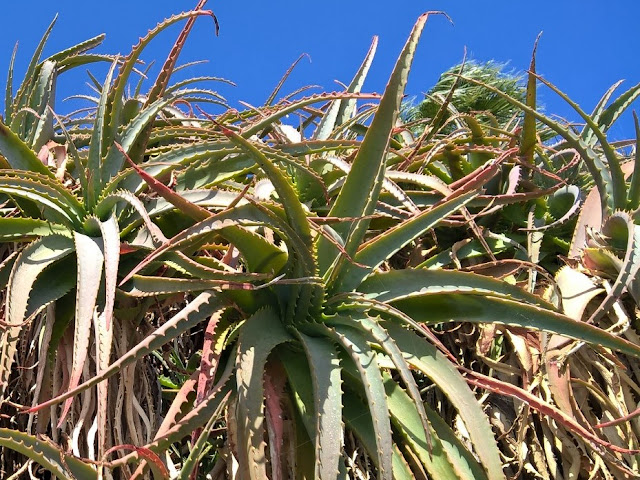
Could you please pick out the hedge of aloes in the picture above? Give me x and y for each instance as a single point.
(192, 294)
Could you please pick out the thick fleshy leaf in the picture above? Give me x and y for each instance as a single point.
(146, 286)
(90, 261)
(529, 134)
(285, 109)
(114, 159)
(18, 153)
(16, 229)
(360, 193)
(619, 187)
(228, 223)
(340, 111)
(29, 265)
(606, 117)
(364, 358)
(42, 102)
(8, 97)
(447, 458)
(602, 177)
(363, 429)
(103, 324)
(379, 335)
(22, 96)
(382, 247)
(97, 145)
(324, 367)
(426, 358)
(47, 193)
(259, 336)
(634, 187)
(455, 307)
(184, 155)
(617, 227)
(292, 206)
(49, 456)
(400, 284)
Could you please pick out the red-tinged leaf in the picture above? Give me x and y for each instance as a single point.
(618, 421)
(276, 90)
(185, 206)
(125, 248)
(544, 408)
(274, 385)
(210, 357)
(160, 86)
(160, 470)
(170, 63)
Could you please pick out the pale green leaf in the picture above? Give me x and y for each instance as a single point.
(259, 336)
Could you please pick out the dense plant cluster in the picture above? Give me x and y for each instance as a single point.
(192, 291)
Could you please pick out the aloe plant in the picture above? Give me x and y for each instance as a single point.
(308, 263)
(67, 277)
(332, 326)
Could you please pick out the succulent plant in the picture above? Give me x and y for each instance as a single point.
(264, 301)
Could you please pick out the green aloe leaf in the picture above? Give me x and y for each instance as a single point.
(116, 93)
(78, 49)
(292, 206)
(147, 286)
(15, 229)
(97, 145)
(42, 101)
(270, 119)
(529, 134)
(164, 163)
(45, 192)
(228, 224)
(364, 358)
(619, 187)
(21, 98)
(362, 427)
(606, 117)
(379, 335)
(447, 458)
(49, 456)
(360, 193)
(259, 336)
(114, 159)
(455, 307)
(617, 227)
(8, 96)
(18, 154)
(400, 284)
(30, 264)
(634, 187)
(324, 367)
(340, 111)
(103, 324)
(382, 247)
(6, 266)
(430, 361)
(602, 177)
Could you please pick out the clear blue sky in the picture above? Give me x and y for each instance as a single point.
(586, 46)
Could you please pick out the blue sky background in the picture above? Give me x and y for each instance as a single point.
(586, 45)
